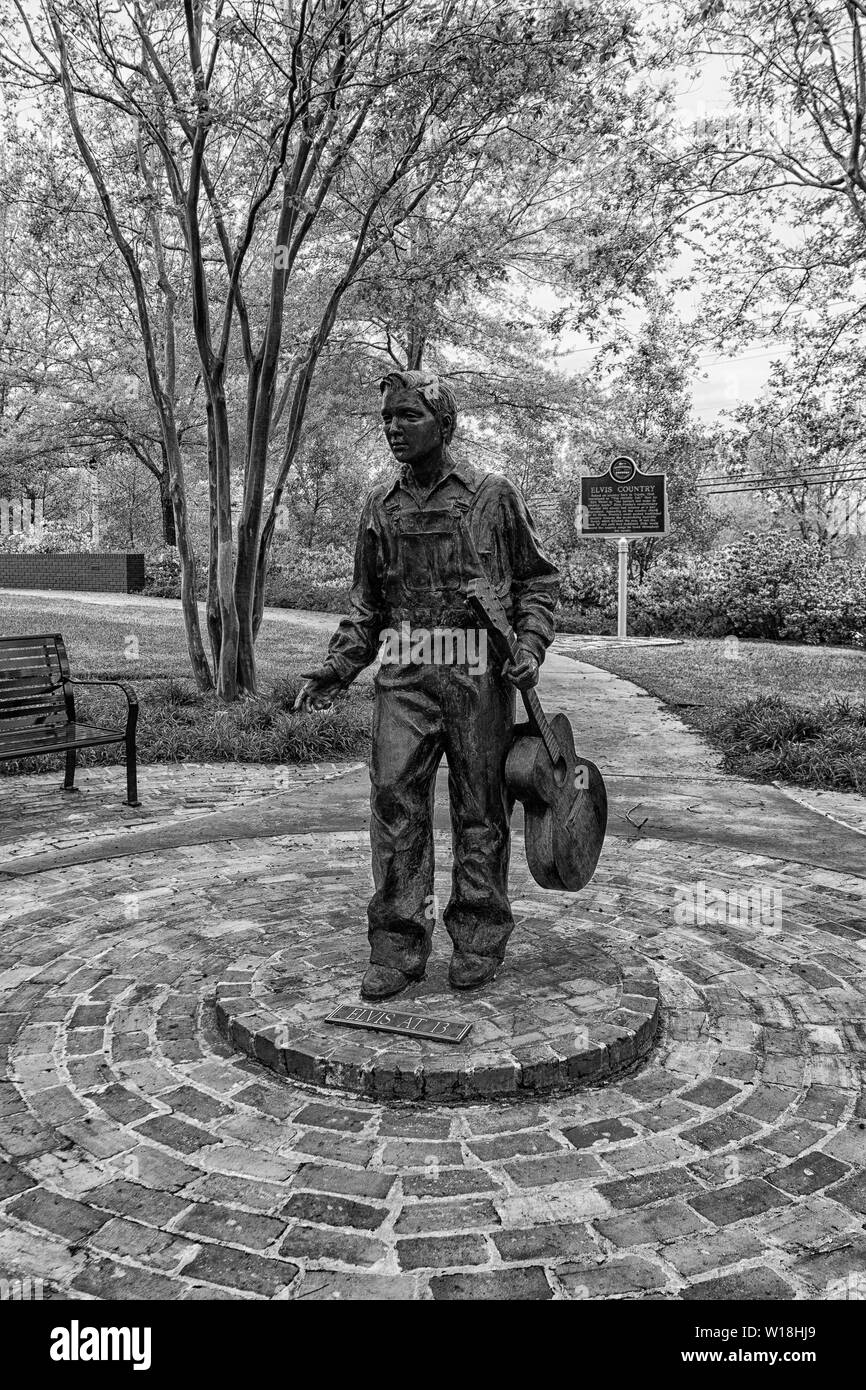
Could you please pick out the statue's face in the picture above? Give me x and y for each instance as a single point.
(411, 428)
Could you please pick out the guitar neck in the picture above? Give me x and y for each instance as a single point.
(537, 717)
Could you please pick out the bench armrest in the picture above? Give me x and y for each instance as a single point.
(131, 700)
(131, 697)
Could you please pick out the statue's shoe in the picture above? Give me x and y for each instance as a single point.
(468, 972)
(381, 981)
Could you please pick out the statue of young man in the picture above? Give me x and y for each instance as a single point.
(422, 537)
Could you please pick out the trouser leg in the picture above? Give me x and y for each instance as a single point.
(407, 747)
(479, 717)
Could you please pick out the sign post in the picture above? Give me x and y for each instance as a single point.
(626, 504)
(622, 589)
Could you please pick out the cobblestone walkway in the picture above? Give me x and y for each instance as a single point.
(143, 1158)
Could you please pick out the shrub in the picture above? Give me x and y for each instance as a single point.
(316, 579)
(766, 585)
(769, 739)
(177, 723)
(162, 574)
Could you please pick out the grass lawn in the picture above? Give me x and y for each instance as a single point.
(145, 645)
(777, 712)
(98, 637)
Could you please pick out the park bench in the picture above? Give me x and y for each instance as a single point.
(37, 708)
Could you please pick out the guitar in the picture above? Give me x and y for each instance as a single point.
(564, 797)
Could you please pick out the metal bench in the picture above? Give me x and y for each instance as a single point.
(37, 708)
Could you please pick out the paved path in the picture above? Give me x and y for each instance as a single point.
(143, 1158)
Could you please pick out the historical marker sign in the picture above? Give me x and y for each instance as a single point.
(623, 502)
(389, 1021)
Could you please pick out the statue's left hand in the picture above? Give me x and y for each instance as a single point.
(318, 691)
(522, 673)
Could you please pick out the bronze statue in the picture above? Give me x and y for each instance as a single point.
(423, 538)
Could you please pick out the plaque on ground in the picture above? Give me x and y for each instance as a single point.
(623, 502)
(390, 1021)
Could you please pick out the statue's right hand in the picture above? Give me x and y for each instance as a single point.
(319, 688)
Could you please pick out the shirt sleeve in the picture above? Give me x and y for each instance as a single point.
(535, 578)
(355, 643)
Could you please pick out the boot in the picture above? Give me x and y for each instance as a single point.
(381, 981)
(468, 972)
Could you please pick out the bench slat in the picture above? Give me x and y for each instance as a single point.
(9, 708)
(21, 728)
(59, 740)
(44, 673)
(41, 681)
(22, 662)
(28, 699)
(10, 649)
(21, 709)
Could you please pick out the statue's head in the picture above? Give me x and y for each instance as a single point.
(419, 414)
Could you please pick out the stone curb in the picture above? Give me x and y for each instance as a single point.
(615, 1044)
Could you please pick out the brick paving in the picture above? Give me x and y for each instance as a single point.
(567, 1011)
(142, 1156)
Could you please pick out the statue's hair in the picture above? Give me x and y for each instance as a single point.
(434, 393)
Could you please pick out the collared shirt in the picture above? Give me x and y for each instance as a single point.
(464, 472)
(505, 540)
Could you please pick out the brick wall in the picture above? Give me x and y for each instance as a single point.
(122, 574)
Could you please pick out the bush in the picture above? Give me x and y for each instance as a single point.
(162, 574)
(769, 739)
(179, 724)
(767, 585)
(680, 595)
(316, 579)
(56, 538)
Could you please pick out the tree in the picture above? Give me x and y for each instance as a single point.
(264, 159)
(780, 182)
(803, 454)
(71, 393)
(644, 410)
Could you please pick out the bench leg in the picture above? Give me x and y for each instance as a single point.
(131, 778)
(69, 780)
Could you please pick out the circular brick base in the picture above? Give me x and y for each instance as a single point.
(565, 1010)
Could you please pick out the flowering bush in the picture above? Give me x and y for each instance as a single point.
(317, 579)
(54, 538)
(767, 584)
(162, 574)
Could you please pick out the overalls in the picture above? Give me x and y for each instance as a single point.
(421, 712)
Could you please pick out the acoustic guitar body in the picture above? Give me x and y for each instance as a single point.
(565, 806)
(564, 798)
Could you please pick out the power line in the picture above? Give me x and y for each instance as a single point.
(827, 473)
(784, 482)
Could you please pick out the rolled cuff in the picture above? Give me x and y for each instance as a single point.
(533, 643)
(343, 669)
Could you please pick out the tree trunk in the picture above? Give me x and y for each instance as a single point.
(227, 677)
(212, 606)
(415, 346)
(186, 556)
(169, 530)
